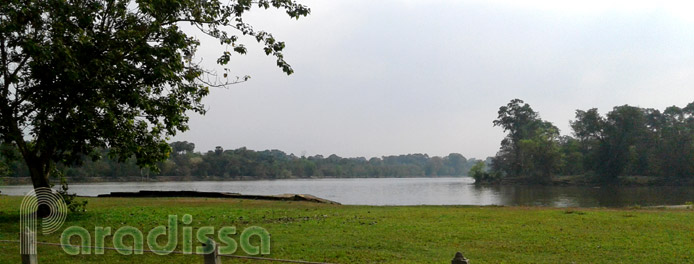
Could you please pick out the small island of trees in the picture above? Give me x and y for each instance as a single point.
(628, 145)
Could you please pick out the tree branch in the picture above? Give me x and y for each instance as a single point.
(4, 65)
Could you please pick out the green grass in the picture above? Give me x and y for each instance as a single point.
(399, 234)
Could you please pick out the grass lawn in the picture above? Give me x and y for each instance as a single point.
(392, 234)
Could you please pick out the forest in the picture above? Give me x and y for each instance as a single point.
(244, 163)
(628, 141)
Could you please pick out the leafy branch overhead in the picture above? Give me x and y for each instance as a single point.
(85, 74)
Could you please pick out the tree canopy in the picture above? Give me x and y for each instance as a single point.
(81, 75)
(530, 146)
(242, 163)
(627, 141)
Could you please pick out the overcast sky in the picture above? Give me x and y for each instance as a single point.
(386, 77)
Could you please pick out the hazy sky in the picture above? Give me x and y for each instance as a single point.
(383, 77)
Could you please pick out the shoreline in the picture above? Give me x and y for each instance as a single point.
(579, 181)
(13, 181)
(558, 181)
(145, 194)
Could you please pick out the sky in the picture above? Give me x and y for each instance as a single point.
(389, 77)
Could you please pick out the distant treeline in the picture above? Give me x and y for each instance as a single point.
(267, 164)
(628, 141)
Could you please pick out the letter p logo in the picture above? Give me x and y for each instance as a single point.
(40, 200)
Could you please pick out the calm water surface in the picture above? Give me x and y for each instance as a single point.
(411, 191)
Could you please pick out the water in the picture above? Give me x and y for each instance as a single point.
(412, 191)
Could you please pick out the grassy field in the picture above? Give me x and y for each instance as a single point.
(399, 234)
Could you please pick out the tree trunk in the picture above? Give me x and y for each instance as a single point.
(39, 178)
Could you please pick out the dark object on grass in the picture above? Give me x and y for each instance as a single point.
(281, 197)
(459, 259)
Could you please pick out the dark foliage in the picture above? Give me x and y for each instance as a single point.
(628, 141)
(267, 164)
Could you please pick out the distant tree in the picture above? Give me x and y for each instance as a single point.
(521, 122)
(588, 125)
(541, 154)
(518, 119)
(457, 163)
(81, 75)
(588, 129)
(435, 167)
(636, 141)
(531, 147)
(673, 141)
(480, 173)
(572, 156)
(218, 150)
(624, 128)
(181, 147)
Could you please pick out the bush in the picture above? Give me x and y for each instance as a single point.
(480, 174)
(73, 205)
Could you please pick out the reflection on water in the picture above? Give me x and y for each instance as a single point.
(593, 196)
(412, 191)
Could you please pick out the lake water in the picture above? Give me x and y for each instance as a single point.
(411, 191)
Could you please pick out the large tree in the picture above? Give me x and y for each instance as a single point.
(530, 149)
(78, 75)
(521, 122)
(588, 130)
